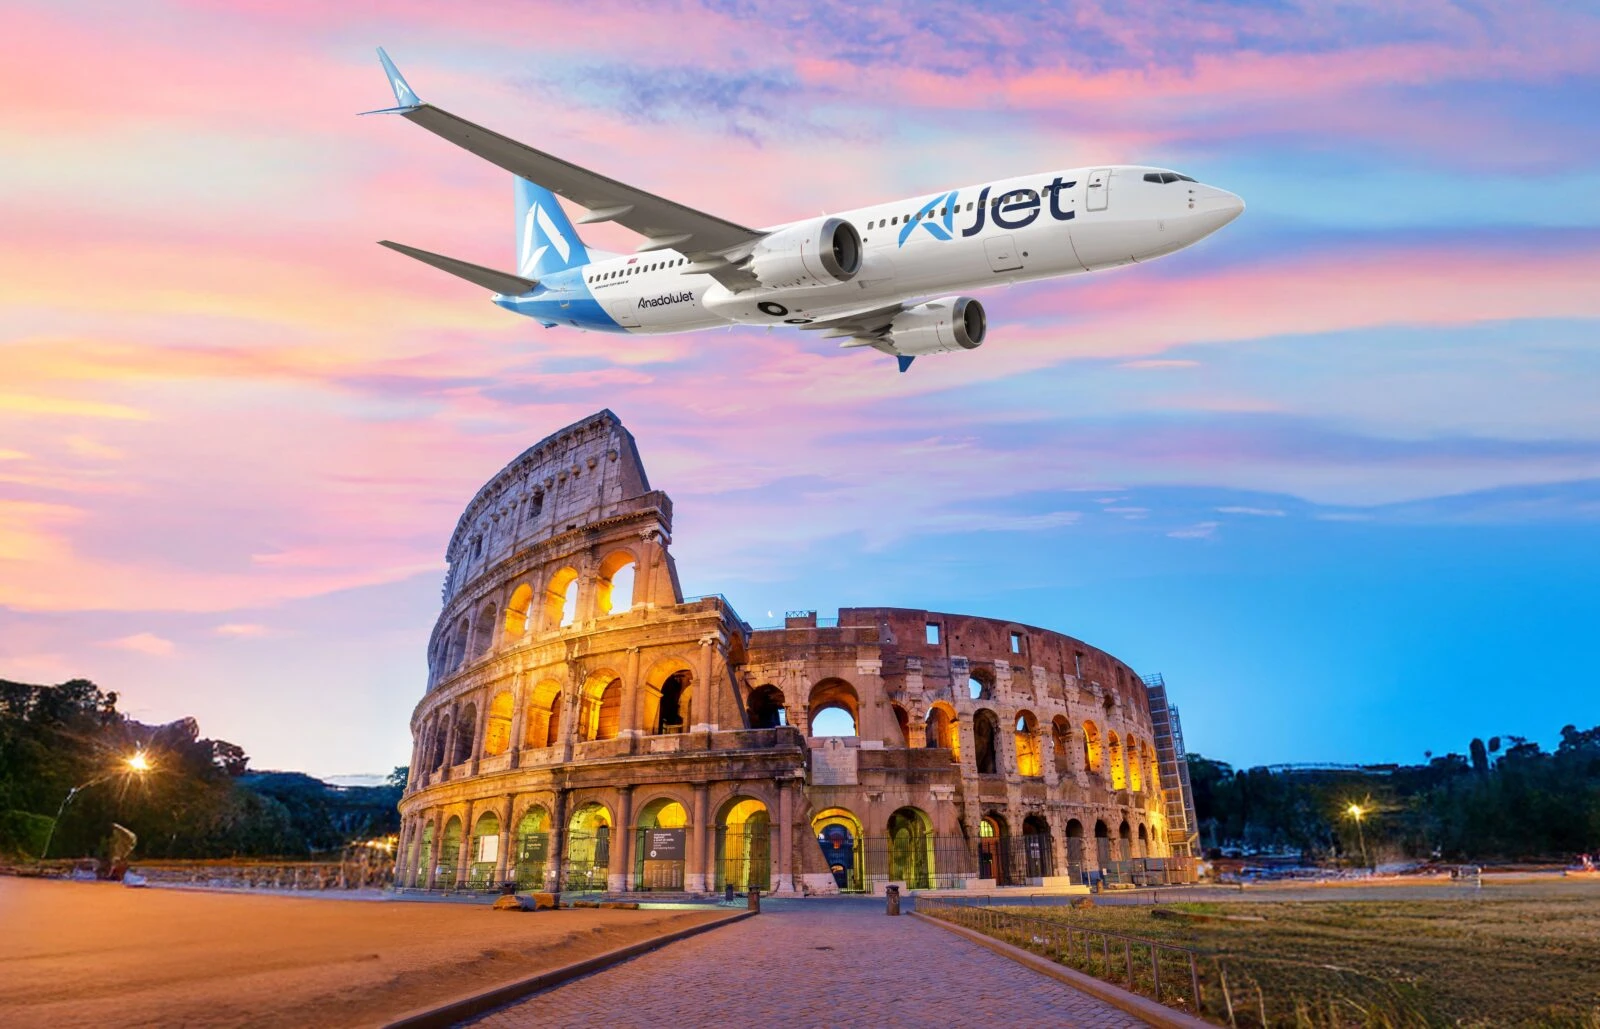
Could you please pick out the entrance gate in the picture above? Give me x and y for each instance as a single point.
(839, 851)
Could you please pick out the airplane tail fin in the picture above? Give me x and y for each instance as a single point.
(546, 240)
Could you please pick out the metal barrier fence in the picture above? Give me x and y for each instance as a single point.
(1162, 971)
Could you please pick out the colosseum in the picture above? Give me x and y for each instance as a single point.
(587, 727)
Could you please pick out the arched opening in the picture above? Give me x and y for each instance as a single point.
(444, 875)
(588, 849)
(600, 712)
(425, 855)
(839, 835)
(942, 732)
(994, 850)
(667, 707)
(614, 588)
(1135, 764)
(517, 612)
(1119, 773)
(1091, 748)
(766, 708)
(497, 729)
(984, 728)
(902, 718)
(744, 845)
(1061, 743)
(1026, 737)
(466, 725)
(1038, 852)
(660, 845)
(834, 707)
(911, 849)
(544, 716)
(980, 684)
(1102, 844)
(1124, 841)
(1143, 850)
(483, 631)
(441, 743)
(485, 850)
(1153, 762)
(1075, 850)
(533, 849)
(458, 645)
(561, 599)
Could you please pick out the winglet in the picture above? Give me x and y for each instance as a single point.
(905, 362)
(404, 96)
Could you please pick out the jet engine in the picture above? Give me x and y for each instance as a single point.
(948, 323)
(820, 252)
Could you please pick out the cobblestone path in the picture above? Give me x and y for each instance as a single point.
(805, 964)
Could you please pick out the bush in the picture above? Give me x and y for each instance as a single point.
(24, 833)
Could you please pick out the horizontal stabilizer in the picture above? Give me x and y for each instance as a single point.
(498, 281)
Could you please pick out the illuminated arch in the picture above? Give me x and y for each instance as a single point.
(1061, 744)
(600, 707)
(911, 848)
(517, 611)
(667, 697)
(543, 717)
(744, 844)
(1026, 737)
(1135, 764)
(615, 587)
(942, 730)
(561, 599)
(1092, 756)
(497, 730)
(1119, 773)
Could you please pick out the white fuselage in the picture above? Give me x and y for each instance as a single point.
(1013, 230)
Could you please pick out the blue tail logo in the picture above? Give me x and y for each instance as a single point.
(546, 240)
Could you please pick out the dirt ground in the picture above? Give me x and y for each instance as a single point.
(101, 954)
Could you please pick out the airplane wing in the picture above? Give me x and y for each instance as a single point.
(713, 243)
(477, 274)
(858, 328)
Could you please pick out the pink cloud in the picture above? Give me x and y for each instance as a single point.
(145, 643)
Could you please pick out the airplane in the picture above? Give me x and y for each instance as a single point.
(890, 276)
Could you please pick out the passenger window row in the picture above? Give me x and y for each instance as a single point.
(619, 273)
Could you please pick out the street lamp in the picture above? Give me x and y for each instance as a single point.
(1355, 811)
(137, 763)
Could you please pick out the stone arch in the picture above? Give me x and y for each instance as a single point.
(588, 848)
(765, 708)
(840, 836)
(1026, 737)
(1143, 849)
(667, 697)
(561, 599)
(466, 727)
(1102, 843)
(458, 644)
(834, 694)
(994, 848)
(942, 730)
(614, 587)
(440, 750)
(444, 875)
(531, 848)
(497, 730)
(902, 718)
(600, 706)
(985, 733)
(483, 630)
(911, 848)
(1038, 849)
(1075, 849)
(518, 609)
(1061, 744)
(980, 683)
(483, 853)
(543, 717)
(1124, 841)
(1093, 759)
(425, 854)
(1135, 764)
(1119, 771)
(744, 844)
(661, 869)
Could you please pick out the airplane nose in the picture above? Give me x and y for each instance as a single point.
(1212, 209)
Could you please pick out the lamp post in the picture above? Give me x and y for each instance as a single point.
(138, 763)
(1356, 812)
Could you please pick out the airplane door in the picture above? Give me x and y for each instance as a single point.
(1003, 253)
(623, 313)
(1099, 189)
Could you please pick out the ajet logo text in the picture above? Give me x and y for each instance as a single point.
(1014, 210)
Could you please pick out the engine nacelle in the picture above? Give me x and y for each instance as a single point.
(938, 326)
(820, 252)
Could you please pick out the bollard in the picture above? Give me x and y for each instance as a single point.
(753, 899)
(891, 896)
(727, 894)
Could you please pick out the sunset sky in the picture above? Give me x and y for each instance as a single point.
(1335, 471)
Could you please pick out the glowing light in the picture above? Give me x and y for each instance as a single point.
(138, 762)
(1355, 811)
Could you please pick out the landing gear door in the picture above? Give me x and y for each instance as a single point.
(1098, 189)
(1003, 253)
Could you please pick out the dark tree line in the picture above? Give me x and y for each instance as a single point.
(198, 800)
(1511, 802)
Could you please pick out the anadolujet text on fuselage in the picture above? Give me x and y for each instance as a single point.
(863, 276)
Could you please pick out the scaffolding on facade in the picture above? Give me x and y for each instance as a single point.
(1183, 836)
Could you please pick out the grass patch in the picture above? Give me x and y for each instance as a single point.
(1518, 957)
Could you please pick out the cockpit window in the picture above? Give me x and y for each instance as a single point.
(1166, 177)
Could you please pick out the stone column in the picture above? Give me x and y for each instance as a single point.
(619, 877)
(694, 877)
(704, 708)
(484, 700)
(503, 865)
(519, 715)
(786, 871)
(558, 840)
(630, 696)
(463, 854)
(449, 750)
(571, 702)
(433, 856)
